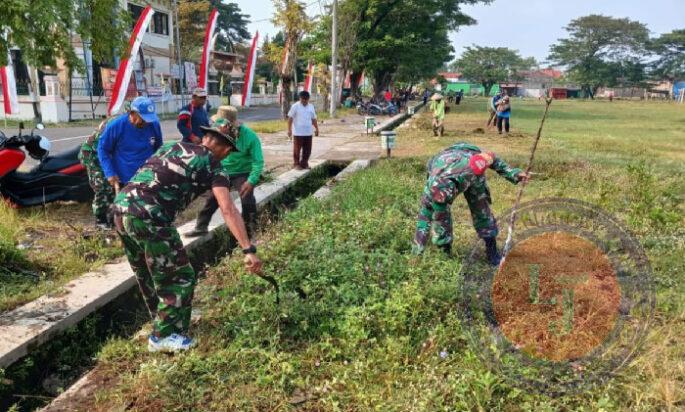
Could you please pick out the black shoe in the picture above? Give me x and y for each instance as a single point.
(103, 223)
(447, 249)
(197, 233)
(491, 251)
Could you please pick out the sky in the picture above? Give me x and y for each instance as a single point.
(529, 26)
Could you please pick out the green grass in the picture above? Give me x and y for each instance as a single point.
(379, 329)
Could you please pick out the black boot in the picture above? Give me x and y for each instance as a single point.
(491, 251)
(103, 223)
(197, 232)
(447, 249)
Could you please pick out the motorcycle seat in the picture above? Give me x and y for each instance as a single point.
(60, 161)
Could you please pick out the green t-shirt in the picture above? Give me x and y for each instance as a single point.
(248, 158)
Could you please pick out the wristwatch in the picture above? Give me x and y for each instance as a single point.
(251, 249)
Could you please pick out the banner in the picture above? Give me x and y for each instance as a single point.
(208, 46)
(249, 73)
(191, 76)
(9, 87)
(126, 66)
(309, 80)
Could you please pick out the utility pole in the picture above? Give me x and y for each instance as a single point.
(334, 61)
(179, 61)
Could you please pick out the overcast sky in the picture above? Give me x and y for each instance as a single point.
(529, 26)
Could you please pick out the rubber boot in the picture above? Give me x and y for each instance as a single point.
(491, 251)
(447, 248)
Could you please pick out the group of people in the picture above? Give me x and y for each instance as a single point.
(145, 182)
(499, 107)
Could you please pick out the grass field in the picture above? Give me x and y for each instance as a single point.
(379, 329)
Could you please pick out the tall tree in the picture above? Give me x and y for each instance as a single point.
(44, 31)
(291, 17)
(670, 47)
(231, 27)
(598, 47)
(491, 65)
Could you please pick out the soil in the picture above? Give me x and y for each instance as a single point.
(567, 262)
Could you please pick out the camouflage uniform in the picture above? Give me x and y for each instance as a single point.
(145, 211)
(104, 193)
(449, 174)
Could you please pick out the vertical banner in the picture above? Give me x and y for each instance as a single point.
(207, 50)
(9, 87)
(310, 78)
(249, 73)
(126, 65)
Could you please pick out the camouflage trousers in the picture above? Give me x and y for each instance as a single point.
(165, 276)
(437, 216)
(104, 193)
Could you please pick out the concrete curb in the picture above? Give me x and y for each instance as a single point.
(395, 120)
(27, 327)
(352, 168)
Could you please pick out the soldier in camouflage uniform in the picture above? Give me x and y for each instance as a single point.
(144, 214)
(460, 169)
(104, 193)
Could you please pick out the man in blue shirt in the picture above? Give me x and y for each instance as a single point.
(193, 116)
(128, 141)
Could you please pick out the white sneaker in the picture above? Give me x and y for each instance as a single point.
(172, 343)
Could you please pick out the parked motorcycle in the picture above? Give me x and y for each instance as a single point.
(60, 177)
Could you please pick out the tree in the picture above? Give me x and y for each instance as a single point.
(44, 32)
(491, 65)
(670, 47)
(291, 17)
(598, 48)
(231, 26)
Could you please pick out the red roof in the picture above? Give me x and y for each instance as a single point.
(450, 75)
(551, 73)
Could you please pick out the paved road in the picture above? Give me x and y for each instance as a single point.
(65, 138)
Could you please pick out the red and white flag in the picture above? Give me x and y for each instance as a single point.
(249, 73)
(9, 87)
(208, 47)
(126, 64)
(310, 78)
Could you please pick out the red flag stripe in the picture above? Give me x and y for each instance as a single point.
(206, 51)
(249, 73)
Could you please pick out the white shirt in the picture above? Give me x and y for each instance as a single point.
(302, 119)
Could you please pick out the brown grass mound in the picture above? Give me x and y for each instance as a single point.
(575, 277)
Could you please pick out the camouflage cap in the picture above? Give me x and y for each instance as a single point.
(219, 128)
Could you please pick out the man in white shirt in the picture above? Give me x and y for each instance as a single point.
(303, 116)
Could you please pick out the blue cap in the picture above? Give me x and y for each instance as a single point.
(145, 107)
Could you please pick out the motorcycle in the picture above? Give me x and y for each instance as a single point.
(60, 177)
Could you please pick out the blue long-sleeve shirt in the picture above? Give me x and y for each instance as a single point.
(123, 147)
(190, 119)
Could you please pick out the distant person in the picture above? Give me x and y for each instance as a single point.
(503, 114)
(426, 95)
(387, 96)
(193, 116)
(302, 125)
(438, 109)
(459, 96)
(128, 141)
(492, 108)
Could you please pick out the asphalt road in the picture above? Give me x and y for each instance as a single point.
(65, 138)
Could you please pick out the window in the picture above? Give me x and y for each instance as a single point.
(135, 11)
(160, 23)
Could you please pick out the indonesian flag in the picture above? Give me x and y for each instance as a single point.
(9, 87)
(208, 46)
(126, 65)
(249, 73)
(310, 77)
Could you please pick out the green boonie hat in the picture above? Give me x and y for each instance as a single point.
(215, 129)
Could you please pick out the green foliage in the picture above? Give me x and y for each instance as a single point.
(671, 50)
(193, 15)
(491, 65)
(44, 31)
(602, 49)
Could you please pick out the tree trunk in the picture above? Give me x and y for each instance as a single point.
(285, 96)
(354, 83)
(487, 86)
(381, 82)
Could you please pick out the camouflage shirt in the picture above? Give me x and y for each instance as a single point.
(171, 179)
(89, 149)
(449, 173)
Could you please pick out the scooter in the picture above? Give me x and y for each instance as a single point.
(60, 177)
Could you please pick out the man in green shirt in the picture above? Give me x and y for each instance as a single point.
(244, 167)
(438, 109)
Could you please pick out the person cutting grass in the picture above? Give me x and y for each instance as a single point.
(145, 211)
(461, 169)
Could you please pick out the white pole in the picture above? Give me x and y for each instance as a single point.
(334, 61)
